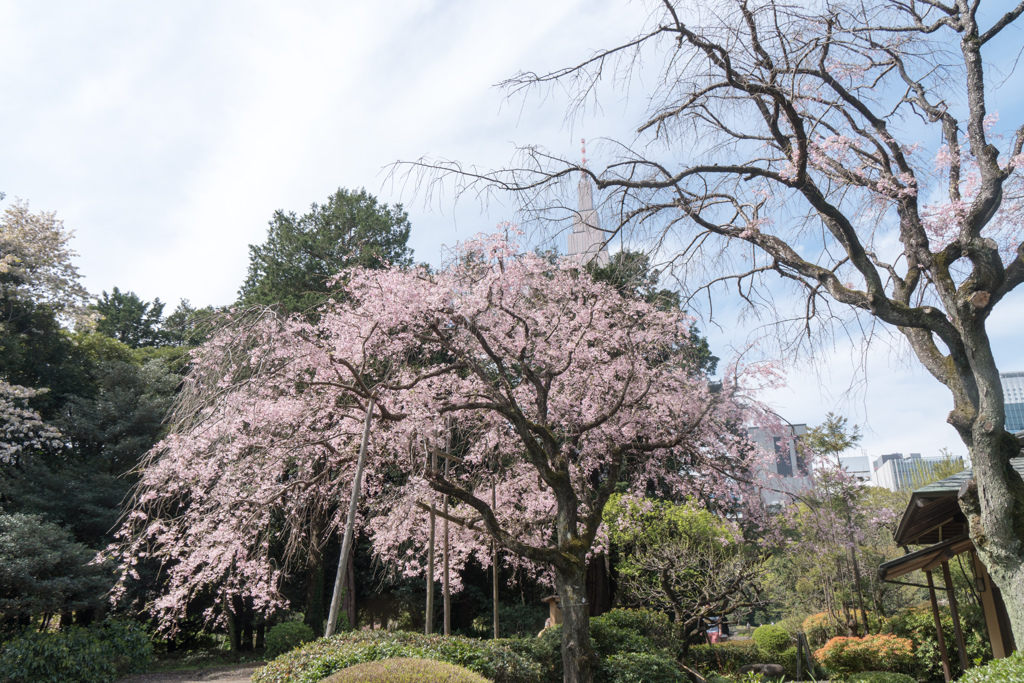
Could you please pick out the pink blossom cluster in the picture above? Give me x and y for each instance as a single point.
(549, 388)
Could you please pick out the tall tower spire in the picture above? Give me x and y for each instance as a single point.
(586, 240)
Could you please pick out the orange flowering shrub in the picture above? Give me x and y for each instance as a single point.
(818, 628)
(880, 652)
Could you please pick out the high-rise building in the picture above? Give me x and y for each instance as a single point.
(1013, 395)
(587, 240)
(900, 474)
(788, 471)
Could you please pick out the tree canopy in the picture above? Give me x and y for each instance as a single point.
(837, 165)
(129, 319)
(293, 268)
(550, 388)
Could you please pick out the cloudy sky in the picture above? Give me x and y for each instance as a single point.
(166, 134)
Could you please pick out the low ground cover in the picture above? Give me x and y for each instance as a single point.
(100, 654)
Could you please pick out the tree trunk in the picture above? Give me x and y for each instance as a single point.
(349, 598)
(856, 584)
(578, 659)
(232, 632)
(314, 612)
(599, 590)
(995, 510)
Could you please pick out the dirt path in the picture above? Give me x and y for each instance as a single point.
(238, 673)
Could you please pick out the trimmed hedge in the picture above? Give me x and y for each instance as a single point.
(1009, 670)
(287, 636)
(405, 670)
(101, 654)
(321, 658)
(648, 623)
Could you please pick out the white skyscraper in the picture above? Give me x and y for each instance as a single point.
(1013, 395)
(586, 239)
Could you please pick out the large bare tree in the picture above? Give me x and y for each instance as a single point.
(846, 149)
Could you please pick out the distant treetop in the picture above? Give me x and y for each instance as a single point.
(301, 254)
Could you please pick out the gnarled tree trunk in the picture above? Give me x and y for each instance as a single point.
(578, 658)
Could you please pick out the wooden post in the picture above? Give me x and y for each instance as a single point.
(957, 631)
(988, 604)
(346, 544)
(799, 656)
(807, 655)
(494, 564)
(447, 585)
(430, 558)
(938, 628)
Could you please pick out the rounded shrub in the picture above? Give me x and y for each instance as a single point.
(842, 655)
(771, 639)
(287, 636)
(880, 677)
(405, 670)
(818, 628)
(1009, 670)
(321, 658)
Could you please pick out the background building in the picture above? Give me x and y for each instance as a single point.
(1013, 394)
(897, 473)
(787, 471)
(857, 465)
(587, 240)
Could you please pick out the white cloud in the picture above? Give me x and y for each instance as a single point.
(167, 134)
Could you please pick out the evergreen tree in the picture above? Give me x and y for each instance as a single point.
(292, 269)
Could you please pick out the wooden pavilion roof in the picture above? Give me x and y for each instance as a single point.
(933, 514)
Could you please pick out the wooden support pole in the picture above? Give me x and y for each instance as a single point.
(430, 560)
(946, 673)
(957, 631)
(494, 564)
(346, 544)
(447, 584)
(799, 656)
(807, 656)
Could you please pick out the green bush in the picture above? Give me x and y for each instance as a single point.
(648, 623)
(96, 655)
(131, 648)
(287, 636)
(880, 677)
(638, 667)
(724, 657)
(405, 670)
(771, 638)
(321, 658)
(618, 632)
(515, 620)
(1009, 670)
(918, 625)
(873, 652)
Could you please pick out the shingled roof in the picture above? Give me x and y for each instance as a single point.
(934, 514)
